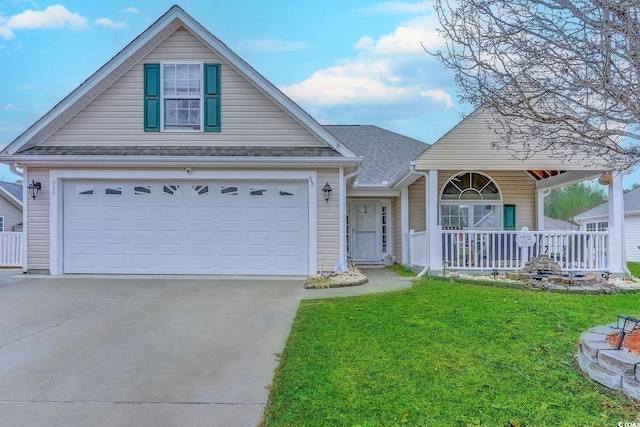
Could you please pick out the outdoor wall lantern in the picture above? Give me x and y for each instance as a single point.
(327, 192)
(626, 324)
(33, 188)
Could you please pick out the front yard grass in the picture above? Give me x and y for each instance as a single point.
(446, 354)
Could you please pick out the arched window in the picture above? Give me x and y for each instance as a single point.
(471, 200)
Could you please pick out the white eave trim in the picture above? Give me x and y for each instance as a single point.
(35, 160)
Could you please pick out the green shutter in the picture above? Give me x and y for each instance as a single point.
(212, 97)
(509, 217)
(152, 97)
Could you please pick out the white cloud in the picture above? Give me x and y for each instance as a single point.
(56, 16)
(106, 22)
(392, 70)
(9, 106)
(396, 7)
(130, 10)
(271, 45)
(407, 38)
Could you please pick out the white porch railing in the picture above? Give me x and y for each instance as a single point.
(11, 249)
(417, 248)
(572, 250)
(488, 250)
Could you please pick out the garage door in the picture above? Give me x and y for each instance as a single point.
(186, 227)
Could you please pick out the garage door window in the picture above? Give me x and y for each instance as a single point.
(142, 190)
(227, 190)
(84, 189)
(113, 190)
(171, 190)
(258, 191)
(287, 190)
(200, 190)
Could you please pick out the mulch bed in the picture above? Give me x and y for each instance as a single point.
(631, 341)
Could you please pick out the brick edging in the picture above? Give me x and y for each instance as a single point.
(615, 369)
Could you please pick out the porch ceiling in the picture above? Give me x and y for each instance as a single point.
(542, 174)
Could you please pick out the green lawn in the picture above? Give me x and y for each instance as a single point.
(634, 268)
(446, 354)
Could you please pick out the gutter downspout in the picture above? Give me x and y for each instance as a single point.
(344, 231)
(412, 168)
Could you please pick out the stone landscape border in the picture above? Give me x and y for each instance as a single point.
(615, 369)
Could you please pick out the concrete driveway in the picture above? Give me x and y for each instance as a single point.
(80, 351)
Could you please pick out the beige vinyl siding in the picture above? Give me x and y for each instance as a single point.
(517, 188)
(11, 214)
(396, 208)
(38, 222)
(417, 212)
(468, 146)
(328, 220)
(248, 117)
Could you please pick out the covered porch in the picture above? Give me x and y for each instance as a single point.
(475, 221)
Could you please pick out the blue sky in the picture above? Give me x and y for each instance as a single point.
(345, 62)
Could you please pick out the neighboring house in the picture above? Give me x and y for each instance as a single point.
(559, 225)
(10, 206)
(597, 219)
(177, 157)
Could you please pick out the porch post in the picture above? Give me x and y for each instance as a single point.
(404, 224)
(616, 251)
(540, 209)
(434, 232)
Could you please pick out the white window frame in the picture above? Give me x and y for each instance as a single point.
(596, 226)
(498, 204)
(200, 97)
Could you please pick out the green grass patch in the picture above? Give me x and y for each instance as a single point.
(634, 268)
(401, 270)
(446, 354)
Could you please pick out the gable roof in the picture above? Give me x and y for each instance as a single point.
(469, 145)
(385, 153)
(631, 202)
(12, 192)
(115, 68)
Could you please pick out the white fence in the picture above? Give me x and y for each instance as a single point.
(418, 249)
(11, 249)
(488, 250)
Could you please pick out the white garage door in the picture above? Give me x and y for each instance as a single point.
(186, 227)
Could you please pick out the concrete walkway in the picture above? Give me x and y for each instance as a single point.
(380, 280)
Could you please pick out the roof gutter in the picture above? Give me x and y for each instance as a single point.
(93, 161)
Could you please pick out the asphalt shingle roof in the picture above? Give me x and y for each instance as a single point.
(14, 189)
(631, 204)
(385, 153)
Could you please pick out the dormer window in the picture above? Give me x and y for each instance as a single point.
(182, 97)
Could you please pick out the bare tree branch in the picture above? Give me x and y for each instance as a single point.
(556, 75)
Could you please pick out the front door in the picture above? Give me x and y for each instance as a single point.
(365, 231)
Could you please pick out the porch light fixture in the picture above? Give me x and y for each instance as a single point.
(327, 192)
(33, 188)
(626, 324)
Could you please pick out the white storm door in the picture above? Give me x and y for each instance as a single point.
(365, 231)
